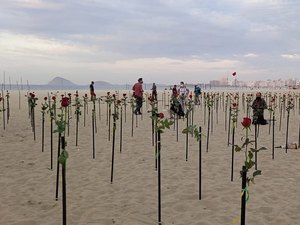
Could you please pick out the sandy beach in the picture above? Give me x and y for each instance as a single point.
(28, 184)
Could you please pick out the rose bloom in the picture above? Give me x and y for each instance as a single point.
(53, 98)
(191, 96)
(85, 95)
(108, 93)
(119, 102)
(246, 122)
(45, 98)
(161, 115)
(64, 101)
(69, 94)
(124, 94)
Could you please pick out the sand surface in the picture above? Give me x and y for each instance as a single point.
(28, 185)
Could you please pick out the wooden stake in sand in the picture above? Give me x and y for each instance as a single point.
(244, 195)
(115, 117)
(93, 132)
(7, 107)
(290, 106)
(159, 174)
(44, 108)
(200, 163)
(63, 160)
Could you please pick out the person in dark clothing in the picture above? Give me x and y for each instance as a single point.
(154, 92)
(92, 91)
(258, 106)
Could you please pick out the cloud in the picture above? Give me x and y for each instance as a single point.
(250, 55)
(34, 4)
(291, 56)
(155, 37)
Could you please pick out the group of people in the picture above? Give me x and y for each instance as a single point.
(179, 96)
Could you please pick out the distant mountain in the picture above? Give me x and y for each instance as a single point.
(59, 81)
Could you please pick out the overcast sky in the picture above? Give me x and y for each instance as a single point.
(163, 41)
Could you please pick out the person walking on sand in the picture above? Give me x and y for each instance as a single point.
(154, 92)
(138, 95)
(258, 106)
(92, 91)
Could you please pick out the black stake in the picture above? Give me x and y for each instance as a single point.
(208, 127)
(64, 188)
(228, 140)
(113, 149)
(287, 131)
(200, 163)
(187, 139)
(121, 129)
(77, 121)
(43, 130)
(255, 143)
(57, 167)
(273, 137)
(232, 152)
(159, 175)
(51, 142)
(93, 132)
(243, 199)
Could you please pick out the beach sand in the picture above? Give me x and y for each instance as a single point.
(28, 185)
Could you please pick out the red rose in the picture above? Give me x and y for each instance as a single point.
(69, 94)
(191, 96)
(246, 122)
(108, 93)
(86, 95)
(124, 94)
(53, 98)
(161, 115)
(114, 96)
(65, 102)
(45, 98)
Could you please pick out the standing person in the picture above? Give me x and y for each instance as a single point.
(92, 91)
(197, 92)
(154, 92)
(174, 91)
(183, 92)
(258, 106)
(138, 94)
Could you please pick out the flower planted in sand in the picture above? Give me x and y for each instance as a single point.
(246, 122)
(161, 123)
(44, 108)
(77, 105)
(61, 124)
(249, 163)
(32, 103)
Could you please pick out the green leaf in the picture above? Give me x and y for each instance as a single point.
(237, 148)
(256, 173)
(63, 157)
(250, 155)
